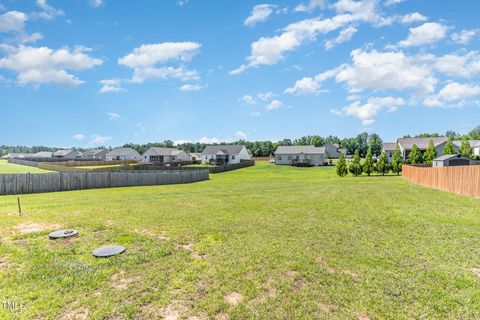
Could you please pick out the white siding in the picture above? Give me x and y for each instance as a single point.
(285, 159)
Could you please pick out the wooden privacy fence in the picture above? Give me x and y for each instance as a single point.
(53, 182)
(462, 179)
(229, 167)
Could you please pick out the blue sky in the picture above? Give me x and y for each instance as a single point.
(104, 72)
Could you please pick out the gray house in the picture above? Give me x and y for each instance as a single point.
(164, 155)
(316, 156)
(333, 150)
(474, 144)
(406, 145)
(123, 154)
(68, 154)
(389, 149)
(451, 160)
(95, 154)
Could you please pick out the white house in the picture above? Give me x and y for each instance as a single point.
(474, 144)
(389, 149)
(221, 154)
(68, 154)
(123, 154)
(164, 155)
(333, 150)
(314, 155)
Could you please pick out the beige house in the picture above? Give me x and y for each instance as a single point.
(285, 155)
(164, 155)
(123, 154)
(406, 145)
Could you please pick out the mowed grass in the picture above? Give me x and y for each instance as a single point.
(263, 242)
(6, 167)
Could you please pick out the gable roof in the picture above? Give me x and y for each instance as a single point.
(165, 151)
(63, 152)
(300, 149)
(43, 154)
(121, 151)
(472, 143)
(229, 149)
(93, 152)
(389, 146)
(422, 143)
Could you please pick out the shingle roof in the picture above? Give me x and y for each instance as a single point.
(449, 156)
(165, 151)
(230, 149)
(43, 154)
(472, 143)
(300, 149)
(422, 143)
(389, 146)
(63, 152)
(121, 151)
(93, 152)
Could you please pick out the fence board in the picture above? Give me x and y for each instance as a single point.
(67, 181)
(459, 179)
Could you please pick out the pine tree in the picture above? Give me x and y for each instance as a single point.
(415, 156)
(430, 153)
(397, 161)
(355, 166)
(368, 164)
(342, 169)
(382, 164)
(466, 149)
(449, 149)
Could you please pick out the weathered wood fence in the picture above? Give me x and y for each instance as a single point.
(229, 167)
(53, 182)
(460, 179)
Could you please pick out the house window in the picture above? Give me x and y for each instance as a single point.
(145, 157)
(279, 158)
(233, 157)
(173, 158)
(289, 157)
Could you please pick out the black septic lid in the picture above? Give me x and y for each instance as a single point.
(60, 234)
(108, 251)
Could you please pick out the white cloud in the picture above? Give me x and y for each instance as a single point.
(96, 139)
(310, 6)
(95, 3)
(79, 136)
(43, 65)
(344, 36)
(143, 61)
(180, 141)
(48, 13)
(181, 3)
(454, 93)
(12, 21)
(248, 99)
(275, 104)
(311, 86)
(367, 112)
(271, 50)
(464, 36)
(467, 65)
(427, 33)
(207, 140)
(111, 85)
(266, 96)
(260, 13)
(113, 116)
(241, 135)
(412, 18)
(191, 87)
(386, 70)
(392, 2)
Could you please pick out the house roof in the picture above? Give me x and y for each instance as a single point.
(43, 154)
(165, 151)
(63, 152)
(229, 149)
(121, 151)
(422, 143)
(472, 143)
(389, 146)
(450, 156)
(93, 152)
(300, 149)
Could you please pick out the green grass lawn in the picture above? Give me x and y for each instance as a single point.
(6, 167)
(262, 242)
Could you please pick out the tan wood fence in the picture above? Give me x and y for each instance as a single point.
(461, 180)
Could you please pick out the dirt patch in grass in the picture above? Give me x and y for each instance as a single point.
(29, 227)
(350, 273)
(149, 233)
(189, 247)
(319, 260)
(175, 310)
(476, 272)
(81, 314)
(233, 298)
(363, 317)
(121, 281)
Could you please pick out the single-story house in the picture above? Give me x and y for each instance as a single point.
(96, 154)
(68, 154)
(316, 156)
(389, 149)
(164, 155)
(333, 150)
(451, 160)
(474, 144)
(225, 154)
(406, 145)
(17, 155)
(43, 154)
(195, 156)
(123, 154)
